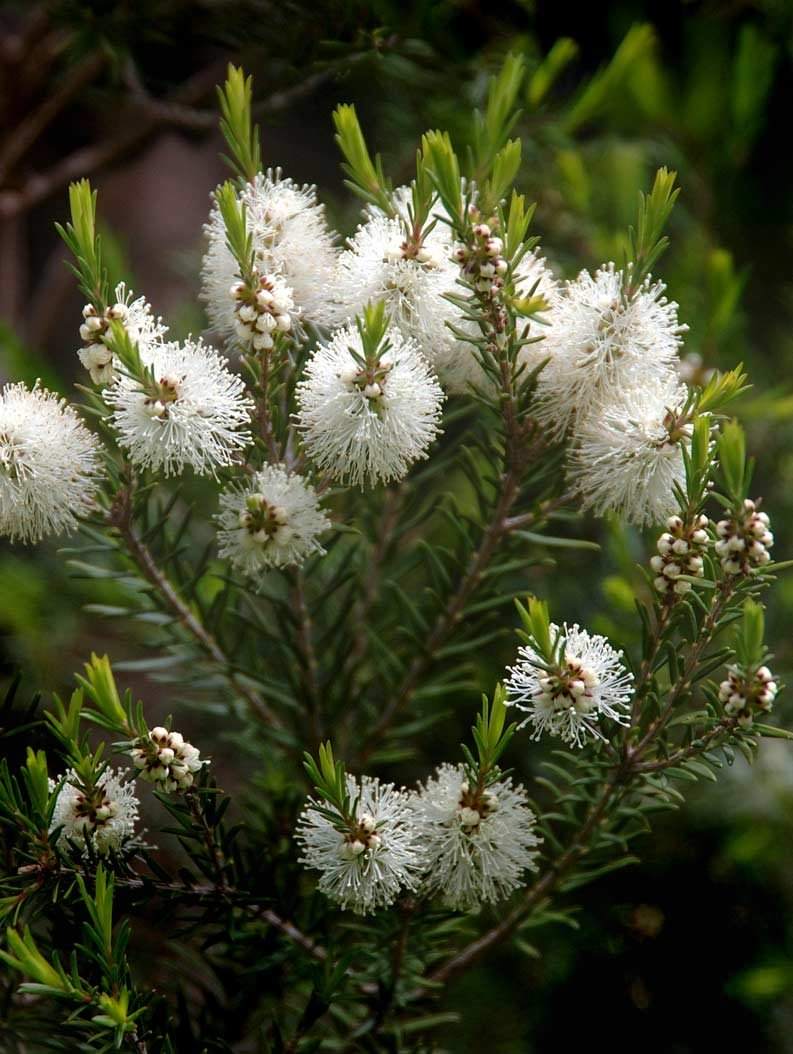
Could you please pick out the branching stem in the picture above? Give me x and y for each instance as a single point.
(121, 519)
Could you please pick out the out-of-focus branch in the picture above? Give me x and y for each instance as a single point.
(88, 159)
(177, 109)
(121, 519)
(22, 138)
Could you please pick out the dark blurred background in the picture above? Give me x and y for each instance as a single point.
(692, 951)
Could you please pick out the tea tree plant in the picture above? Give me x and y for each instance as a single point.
(390, 432)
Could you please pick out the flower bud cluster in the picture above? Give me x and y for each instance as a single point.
(160, 394)
(369, 380)
(421, 252)
(262, 310)
(474, 807)
(264, 521)
(95, 355)
(93, 811)
(362, 838)
(165, 758)
(571, 684)
(482, 259)
(743, 694)
(744, 540)
(680, 552)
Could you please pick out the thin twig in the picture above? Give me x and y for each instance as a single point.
(452, 614)
(21, 138)
(121, 519)
(88, 159)
(543, 887)
(208, 833)
(683, 683)
(153, 114)
(696, 747)
(392, 504)
(230, 895)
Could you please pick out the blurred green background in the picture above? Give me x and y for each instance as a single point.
(694, 950)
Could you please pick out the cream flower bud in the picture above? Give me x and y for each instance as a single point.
(469, 817)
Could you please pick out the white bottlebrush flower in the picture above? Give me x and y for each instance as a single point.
(364, 868)
(273, 522)
(627, 453)
(569, 700)
(104, 820)
(368, 424)
(290, 236)
(136, 315)
(193, 412)
(379, 264)
(599, 343)
(478, 847)
(49, 463)
(167, 759)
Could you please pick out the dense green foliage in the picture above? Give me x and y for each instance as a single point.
(600, 109)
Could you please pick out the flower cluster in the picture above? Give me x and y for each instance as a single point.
(744, 540)
(743, 694)
(366, 420)
(49, 464)
(611, 381)
(262, 310)
(680, 552)
(470, 845)
(165, 758)
(100, 819)
(569, 696)
(273, 522)
(136, 316)
(480, 842)
(364, 865)
(604, 339)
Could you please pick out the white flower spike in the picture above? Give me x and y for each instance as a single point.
(600, 341)
(194, 413)
(381, 264)
(367, 413)
(291, 238)
(365, 868)
(570, 698)
(104, 821)
(628, 452)
(275, 521)
(49, 464)
(478, 847)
